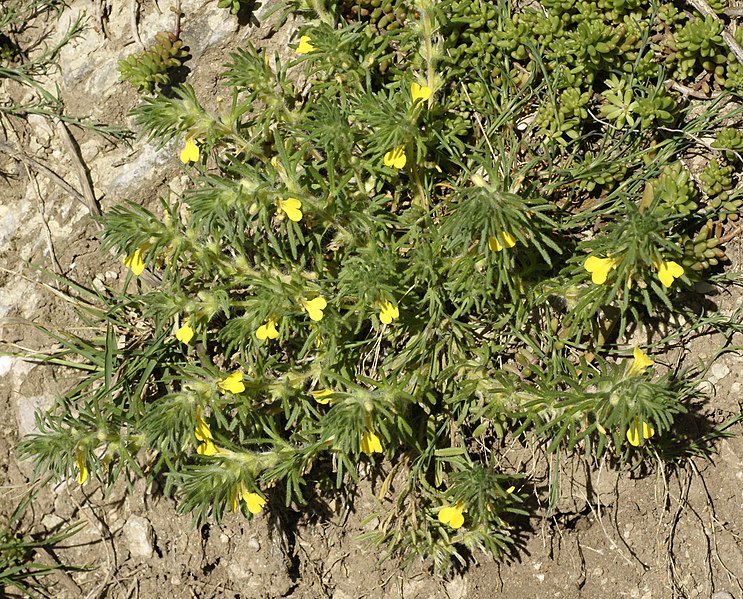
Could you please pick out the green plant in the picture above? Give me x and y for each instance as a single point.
(412, 257)
(153, 67)
(235, 6)
(703, 251)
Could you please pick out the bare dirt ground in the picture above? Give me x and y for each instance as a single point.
(672, 532)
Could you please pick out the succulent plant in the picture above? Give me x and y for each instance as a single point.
(620, 103)
(716, 179)
(730, 141)
(699, 42)
(676, 190)
(379, 14)
(657, 108)
(702, 251)
(153, 67)
(234, 6)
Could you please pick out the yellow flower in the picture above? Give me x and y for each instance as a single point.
(599, 268)
(232, 383)
(253, 501)
(420, 92)
(80, 463)
(305, 45)
(395, 158)
(134, 261)
(315, 307)
(668, 272)
(207, 448)
(452, 516)
(640, 363)
(190, 152)
(185, 333)
(633, 432)
(501, 240)
(370, 443)
(204, 434)
(322, 396)
(267, 331)
(292, 208)
(388, 312)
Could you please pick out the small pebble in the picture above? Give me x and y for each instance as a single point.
(718, 372)
(51, 521)
(254, 544)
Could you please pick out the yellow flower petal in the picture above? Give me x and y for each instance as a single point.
(314, 307)
(207, 448)
(636, 428)
(388, 312)
(452, 516)
(640, 363)
(322, 396)
(83, 469)
(190, 152)
(396, 158)
(184, 334)
(501, 240)
(599, 268)
(232, 383)
(134, 261)
(305, 45)
(292, 208)
(236, 495)
(203, 432)
(668, 272)
(267, 331)
(370, 443)
(641, 358)
(633, 436)
(420, 92)
(254, 502)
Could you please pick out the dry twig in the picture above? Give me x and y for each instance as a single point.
(83, 174)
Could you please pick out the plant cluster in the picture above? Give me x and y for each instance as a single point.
(409, 257)
(153, 67)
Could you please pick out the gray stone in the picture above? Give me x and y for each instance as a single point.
(51, 521)
(219, 24)
(142, 168)
(138, 535)
(456, 588)
(8, 225)
(26, 408)
(721, 595)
